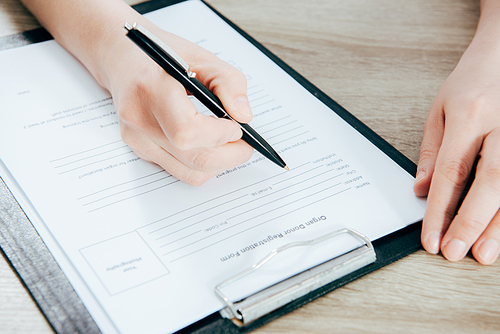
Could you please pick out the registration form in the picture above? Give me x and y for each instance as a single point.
(143, 250)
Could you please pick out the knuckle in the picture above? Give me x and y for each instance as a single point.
(129, 116)
(236, 75)
(477, 106)
(229, 78)
(456, 171)
(229, 131)
(430, 126)
(183, 136)
(489, 175)
(426, 154)
(202, 161)
(492, 172)
(222, 140)
(472, 226)
(195, 179)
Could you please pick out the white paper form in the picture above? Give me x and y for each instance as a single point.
(151, 249)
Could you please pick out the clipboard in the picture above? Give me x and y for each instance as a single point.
(65, 312)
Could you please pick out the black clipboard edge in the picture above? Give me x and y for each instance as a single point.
(389, 248)
(25, 38)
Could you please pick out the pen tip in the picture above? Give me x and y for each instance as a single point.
(286, 167)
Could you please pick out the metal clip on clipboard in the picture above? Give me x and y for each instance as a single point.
(265, 301)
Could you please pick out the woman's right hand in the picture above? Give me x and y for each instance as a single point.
(159, 121)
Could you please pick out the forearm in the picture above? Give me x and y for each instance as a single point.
(88, 29)
(488, 30)
(485, 46)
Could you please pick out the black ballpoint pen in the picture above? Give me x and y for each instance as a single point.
(177, 68)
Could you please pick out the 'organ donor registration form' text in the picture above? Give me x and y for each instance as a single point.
(148, 250)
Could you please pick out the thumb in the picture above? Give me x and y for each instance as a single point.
(230, 86)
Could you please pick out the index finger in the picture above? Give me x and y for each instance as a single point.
(184, 127)
(228, 84)
(453, 165)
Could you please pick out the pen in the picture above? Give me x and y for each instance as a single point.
(179, 70)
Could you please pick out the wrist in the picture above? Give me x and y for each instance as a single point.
(488, 28)
(113, 47)
(485, 46)
(117, 53)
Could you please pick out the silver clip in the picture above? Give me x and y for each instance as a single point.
(175, 57)
(263, 302)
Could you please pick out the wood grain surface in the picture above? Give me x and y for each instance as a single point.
(384, 61)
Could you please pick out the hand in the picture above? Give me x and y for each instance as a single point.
(464, 123)
(160, 123)
(157, 119)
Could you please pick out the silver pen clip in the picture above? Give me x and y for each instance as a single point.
(175, 57)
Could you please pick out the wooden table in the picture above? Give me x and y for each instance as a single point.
(384, 61)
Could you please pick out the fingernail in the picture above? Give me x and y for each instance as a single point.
(455, 250)
(242, 105)
(488, 251)
(432, 242)
(237, 135)
(420, 176)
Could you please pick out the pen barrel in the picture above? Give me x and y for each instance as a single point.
(249, 134)
(256, 141)
(208, 99)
